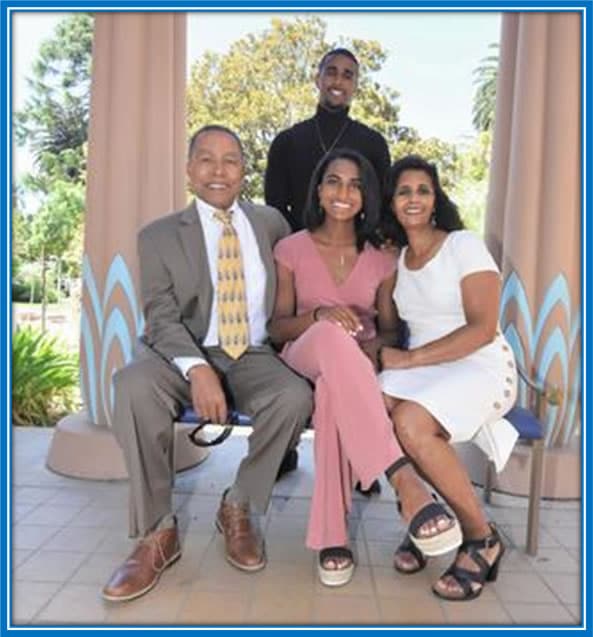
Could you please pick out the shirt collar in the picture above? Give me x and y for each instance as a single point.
(337, 115)
(206, 209)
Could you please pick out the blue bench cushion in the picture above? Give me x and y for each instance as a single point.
(188, 415)
(525, 422)
(522, 419)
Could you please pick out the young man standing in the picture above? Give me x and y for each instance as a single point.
(295, 152)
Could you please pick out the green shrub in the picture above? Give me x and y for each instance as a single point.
(21, 290)
(44, 378)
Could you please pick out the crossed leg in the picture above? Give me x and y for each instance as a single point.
(427, 444)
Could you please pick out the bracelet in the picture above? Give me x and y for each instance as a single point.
(315, 313)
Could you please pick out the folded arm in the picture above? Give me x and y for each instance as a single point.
(387, 321)
(285, 326)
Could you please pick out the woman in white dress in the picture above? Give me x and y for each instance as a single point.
(457, 378)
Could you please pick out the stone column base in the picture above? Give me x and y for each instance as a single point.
(82, 449)
(562, 470)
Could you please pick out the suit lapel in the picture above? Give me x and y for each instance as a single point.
(265, 250)
(194, 247)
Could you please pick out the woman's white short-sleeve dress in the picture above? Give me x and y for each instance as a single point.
(469, 396)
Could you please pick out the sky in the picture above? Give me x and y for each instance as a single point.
(431, 57)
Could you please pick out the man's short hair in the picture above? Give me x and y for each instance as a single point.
(213, 128)
(338, 51)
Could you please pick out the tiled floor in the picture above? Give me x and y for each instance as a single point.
(68, 535)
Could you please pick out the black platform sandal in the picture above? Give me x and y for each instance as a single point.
(486, 573)
(407, 546)
(443, 541)
(335, 576)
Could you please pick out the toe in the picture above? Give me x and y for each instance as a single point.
(405, 561)
(448, 587)
(336, 564)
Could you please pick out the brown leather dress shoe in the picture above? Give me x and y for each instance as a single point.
(242, 548)
(141, 571)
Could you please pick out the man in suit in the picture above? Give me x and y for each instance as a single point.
(189, 356)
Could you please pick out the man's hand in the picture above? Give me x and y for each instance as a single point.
(207, 394)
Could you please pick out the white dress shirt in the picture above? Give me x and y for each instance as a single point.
(255, 278)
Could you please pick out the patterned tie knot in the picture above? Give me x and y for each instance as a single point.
(225, 217)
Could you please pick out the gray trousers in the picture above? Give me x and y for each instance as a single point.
(149, 393)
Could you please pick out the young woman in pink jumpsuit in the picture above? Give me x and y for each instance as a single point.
(334, 288)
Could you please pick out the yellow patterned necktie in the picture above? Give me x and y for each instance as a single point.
(233, 322)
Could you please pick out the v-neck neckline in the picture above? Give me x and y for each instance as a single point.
(429, 261)
(337, 285)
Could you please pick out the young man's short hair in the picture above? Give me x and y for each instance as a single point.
(339, 51)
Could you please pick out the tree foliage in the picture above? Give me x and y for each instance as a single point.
(55, 224)
(55, 117)
(435, 150)
(485, 79)
(54, 227)
(54, 125)
(20, 232)
(265, 83)
(470, 192)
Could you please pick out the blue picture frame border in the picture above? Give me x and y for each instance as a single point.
(8, 7)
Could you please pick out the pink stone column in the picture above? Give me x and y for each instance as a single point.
(136, 172)
(533, 224)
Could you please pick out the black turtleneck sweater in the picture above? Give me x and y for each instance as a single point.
(294, 153)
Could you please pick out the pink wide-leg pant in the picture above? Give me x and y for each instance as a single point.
(354, 438)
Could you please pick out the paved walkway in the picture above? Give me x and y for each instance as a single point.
(68, 535)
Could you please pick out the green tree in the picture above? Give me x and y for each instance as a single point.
(19, 230)
(265, 83)
(55, 117)
(485, 79)
(54, 125)
(471, 190)
(374, 104)
(53, 228)
(435, 150)
(23, 266)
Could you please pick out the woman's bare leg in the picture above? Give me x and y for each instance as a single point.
(426, 443)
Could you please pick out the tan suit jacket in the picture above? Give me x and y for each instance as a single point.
(177, 299)
(176, 283)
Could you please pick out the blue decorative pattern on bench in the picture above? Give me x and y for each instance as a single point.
(189, 416)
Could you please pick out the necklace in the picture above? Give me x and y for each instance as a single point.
(329, 244)
(341, 132)
(334, 244)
